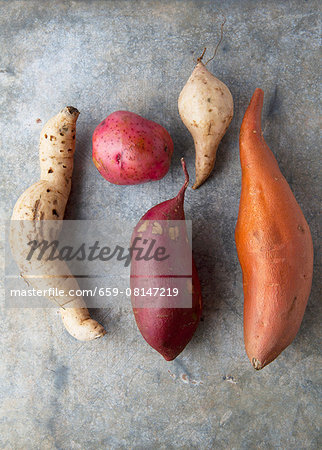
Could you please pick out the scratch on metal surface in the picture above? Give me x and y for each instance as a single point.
(225, 417)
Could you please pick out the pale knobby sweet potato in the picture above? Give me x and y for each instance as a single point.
(46, 200)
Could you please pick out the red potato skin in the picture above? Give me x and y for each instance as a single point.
(274, 247)
(129, 149)
(167, 330)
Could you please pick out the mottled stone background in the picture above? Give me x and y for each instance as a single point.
(101, 56)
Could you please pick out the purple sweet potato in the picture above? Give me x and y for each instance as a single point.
(166, 322)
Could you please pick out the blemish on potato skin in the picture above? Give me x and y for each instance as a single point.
(173, 233)
(157, 228)
(36, 209)
(143, 227)
(292, 305)
(190, 287)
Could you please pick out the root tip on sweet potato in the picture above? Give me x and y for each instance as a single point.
(256, 364)
(71, 110)
(185, 171)
(100, 334)
(82, 329)
(198, 182)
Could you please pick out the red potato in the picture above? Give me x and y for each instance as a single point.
(128, 149)
(166, 323)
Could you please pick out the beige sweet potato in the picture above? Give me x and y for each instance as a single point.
(206, 108)
(46, 200)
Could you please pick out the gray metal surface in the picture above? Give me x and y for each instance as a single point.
(101, 56)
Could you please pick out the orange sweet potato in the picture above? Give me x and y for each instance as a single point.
(274, 247)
